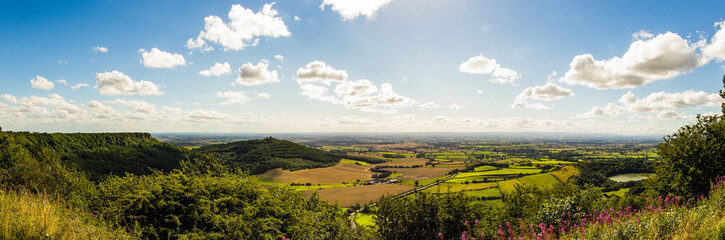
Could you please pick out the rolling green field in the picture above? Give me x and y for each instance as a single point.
(484, 168)
(354, 162)
(457, 187)
(489, 192)
(544, 180)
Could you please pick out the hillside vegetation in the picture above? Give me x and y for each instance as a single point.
(261, 155)
(99, 154)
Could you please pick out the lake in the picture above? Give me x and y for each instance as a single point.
(630, 177)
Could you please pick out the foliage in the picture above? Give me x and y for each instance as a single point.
(179, 206)
(101, 154)
(420, 215)
(258, 156)
(24, 215)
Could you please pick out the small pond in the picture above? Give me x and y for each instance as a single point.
(630, 177)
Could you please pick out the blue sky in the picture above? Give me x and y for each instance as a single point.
(632, 67)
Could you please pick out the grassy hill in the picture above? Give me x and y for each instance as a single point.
(100, 154)
(261, 155)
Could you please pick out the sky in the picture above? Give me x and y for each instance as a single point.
(627, 67)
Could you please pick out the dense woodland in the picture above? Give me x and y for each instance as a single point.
(261, 155)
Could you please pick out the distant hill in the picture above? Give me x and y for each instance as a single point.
(101, 154)
(261, 155)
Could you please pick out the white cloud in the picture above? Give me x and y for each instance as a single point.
(546, 92)
(404, 79)
(160, 59)
(611, 110)
(79, 86)
(456, 107)
(663, 57)
(202, 114)
(483, 65)
(319, 71)
(102, 111)
(62, 81)
(479, 91)
(279, 57)
(42, 109)
(233, 97)
(100, 49)
(716, 48)
(136, 105)
(429, 105)
(673, 115)
(217, 70)
(263, 95)
(642, 35)
(297, 18)
(350, 9)
(316, 92)
(116, 83)
(41, 83)
(244, 28)
(526, 104)
(661, 102)
(256, 74)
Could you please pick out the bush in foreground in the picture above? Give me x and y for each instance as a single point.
(28, 216)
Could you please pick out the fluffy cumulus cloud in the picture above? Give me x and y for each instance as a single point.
(428, 105)
(102, 111)
(244, 28)
(647, 60)
(526, 104)
(279, 57)
(62, 81)
(160, 59)
(547, 92)
(716, 48)
(250, 74)
(41, 83)
(488, 66)
(203, 114)
(53, 108)
(116, 83)
(100, 49)
(658, 102)
(217, 70)
(79, 86)
(319, 71)
(362, 94)
(350, 9)
(456, 107)
(264, 95)
(233, 97)
(136, 105)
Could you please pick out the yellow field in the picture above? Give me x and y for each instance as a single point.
(543, 180)
(349, 196)
(342, 172)
(457, 187)
(565, 173)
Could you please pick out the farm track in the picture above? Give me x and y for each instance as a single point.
(352, 215)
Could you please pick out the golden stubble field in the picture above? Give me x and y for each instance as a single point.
(349, 196)
(342, 172)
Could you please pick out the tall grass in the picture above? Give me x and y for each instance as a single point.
(24, 215)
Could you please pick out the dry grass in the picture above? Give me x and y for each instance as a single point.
(28, 216)
(349, 196)
(342, 172)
